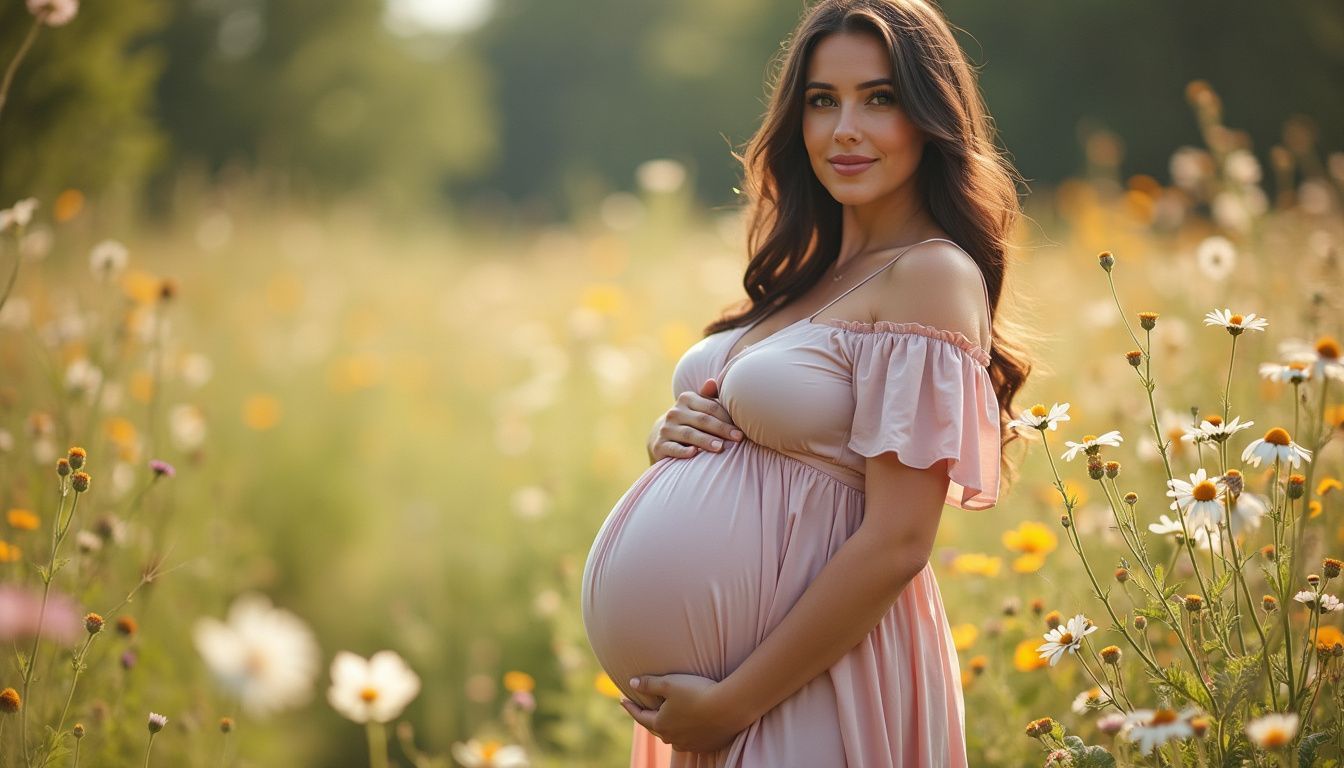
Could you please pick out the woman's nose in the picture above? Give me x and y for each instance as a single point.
(846, 130)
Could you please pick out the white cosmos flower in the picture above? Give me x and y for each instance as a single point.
(1235, 324)
(375, 689)
(1289, 373)
(1200, 499)
(1151, 728)
(489, 754)
(1038, 417)
(1276, 445)
(265, 656)
(1066, 637)
(1272, 731)
(1111, 438)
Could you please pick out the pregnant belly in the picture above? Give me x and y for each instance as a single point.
(678, 574)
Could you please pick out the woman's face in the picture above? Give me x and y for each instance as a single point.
(862, 146)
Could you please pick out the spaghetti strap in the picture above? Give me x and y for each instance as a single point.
(879, 271)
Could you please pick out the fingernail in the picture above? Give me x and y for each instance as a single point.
(716, 444)
(634, 682)
(737, 434)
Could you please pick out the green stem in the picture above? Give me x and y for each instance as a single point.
(149, 748)
(18, 57)
(79, 664)
(377, 745)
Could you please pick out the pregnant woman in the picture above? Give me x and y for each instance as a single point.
(762, 594)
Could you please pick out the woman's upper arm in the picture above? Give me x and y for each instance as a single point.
(902, 509)
(935, 284)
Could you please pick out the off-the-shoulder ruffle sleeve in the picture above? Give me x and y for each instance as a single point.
(925, 393)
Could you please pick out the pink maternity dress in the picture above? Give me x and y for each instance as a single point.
(702, 557)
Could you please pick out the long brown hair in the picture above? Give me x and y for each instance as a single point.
(793, 232)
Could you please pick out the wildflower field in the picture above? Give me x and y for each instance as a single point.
(293, 484)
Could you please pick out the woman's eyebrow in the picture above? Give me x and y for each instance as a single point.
(863, 85)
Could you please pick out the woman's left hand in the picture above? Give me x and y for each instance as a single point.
(693, 716)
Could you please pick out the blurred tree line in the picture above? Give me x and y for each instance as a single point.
(553, 104)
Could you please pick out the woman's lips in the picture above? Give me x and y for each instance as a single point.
(852, 168)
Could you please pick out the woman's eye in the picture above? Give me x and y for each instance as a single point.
(815, 100)
(881, 98)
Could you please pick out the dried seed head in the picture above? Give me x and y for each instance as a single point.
(77, 457)
(1095, 469)
(93, 623)
(1111, 654)
(80, 481)
(1131, 498)
(1135, 357)
(1269, 603)
(1112, 469)
(63, 467)
(1106, 260)
(1193, 603)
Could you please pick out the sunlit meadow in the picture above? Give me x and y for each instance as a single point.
(287, 484)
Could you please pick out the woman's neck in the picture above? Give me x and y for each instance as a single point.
(893, 221)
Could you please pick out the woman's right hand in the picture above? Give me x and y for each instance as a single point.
(695, 422)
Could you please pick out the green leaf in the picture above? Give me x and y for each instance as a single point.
(1306, 749)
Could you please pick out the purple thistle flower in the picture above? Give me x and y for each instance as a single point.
(162, 468)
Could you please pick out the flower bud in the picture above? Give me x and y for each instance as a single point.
(78, 730)
(63, 467)
(978, 664)
(1053, 619)
(1330, 567)
(77, 456)
(1297, 485)
(10, 701)
(156, 722)
(1200, 725)
(1095, 469)
(1148, 320)
(1313, 579)
(1131, 498)
(1122, 575)
(127, 626)
(93, 623)
(1140, 623)
(1269, 603)
(1267, 552)
(80, 481)
(1111, 654)
(1106, 260)
(1038, 728)
(1135, 357)
(1234, 481)
(225, 724)
(1037, 605)
(1112, 469)
(1064, 520)
(1193, 603)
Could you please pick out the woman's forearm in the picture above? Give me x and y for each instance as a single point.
(850, 595)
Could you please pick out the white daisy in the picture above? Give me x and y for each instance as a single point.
(1214, 429)
(108, 259)
(1066, 637)
(1323, 357)
(1273, 731)
(1276, 445)
(1326, 604)
(1247, 511)
(1235, 324)
(1216, 257)
(1165, 525)
(1288, 373)
(375, 689)
(1200, 500)
(1151, 728)
(1037, 417)
(1090, 442)
(265, 656)
(1092, 698)
(489, 754)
